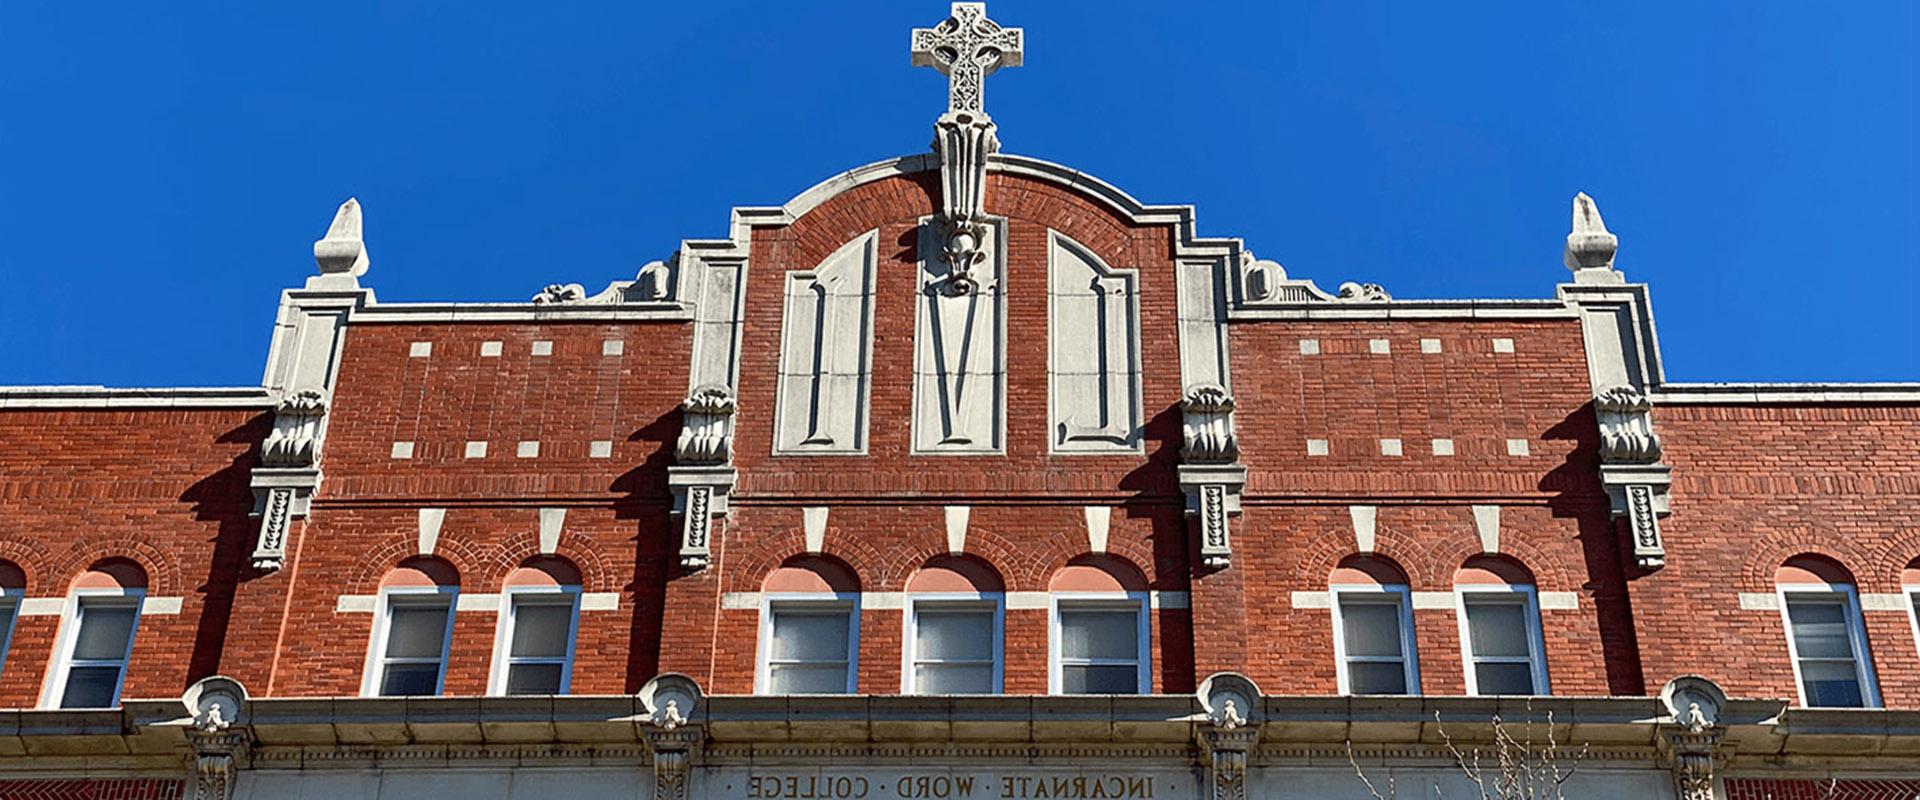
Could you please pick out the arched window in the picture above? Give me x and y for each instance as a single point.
(809, 629)
(1825, 638)
(96, 636)
(539, 620)
(1098, 632)
(1500, 628)
(1910, 586)
(13, 587)
(1373, 627)
(412, 631)
(956, 608)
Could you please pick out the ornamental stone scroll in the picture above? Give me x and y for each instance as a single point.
(703, 476)
(1210, 472)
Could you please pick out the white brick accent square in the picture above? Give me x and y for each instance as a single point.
(1309, 347)
(476, 449)
(1316, 447)
(600, 449)
(1390, 447)
(528, 450)
(543, 348)
(1443, 447)
(1379, 347)
(420, 350)
(490, 349)
(1429, 345)
(1518, 447)
(1503, 345)
(402, 449)
(613, 347)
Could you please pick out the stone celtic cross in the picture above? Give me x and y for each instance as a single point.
(966, 48)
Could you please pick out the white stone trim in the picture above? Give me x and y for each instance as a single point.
(551, 521)
(12, 397)
(1411, 310)
(543, 347)
(613, 347)
(476, 449)
(1312, 600)
(161, 605)
(600, 601)
(1433, 601)
(1759, 601)
(430, 521)
(401, 450)
(1380, 347)
(1751, 393)
(1392, 448)
(957, 528)
(356, 604)
(600, 448)
(1443, 447)
(1503, 345)
(813, 525)
(527, 449)
(1559, 601)
(1884, 601)
(1026, 601)
(1430, 346)
(420, 350)
(42, 606)
(1519, 448)
(482, 602)
(492, 349)
(1317, 447)
(477, 601)
(1363, 526)
(1486, 522)
(1309, 347)
(421, 313)
(1099, 522)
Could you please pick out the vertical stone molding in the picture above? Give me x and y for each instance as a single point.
(703, 475)
(1093, 351)
(959, 380)
(1210, 473)
(1623, 363)
(826, 353)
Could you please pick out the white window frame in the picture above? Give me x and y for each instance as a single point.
(16, 600)
(842, 601)
(510, 619)
(56, 685)
(1856, 634)
(1376, 593)
(1109, 601)
(1910, 592)
(1536, 640)
(995, 601)
(374, 672)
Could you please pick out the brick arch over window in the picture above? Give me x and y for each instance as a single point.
(1896, 554)
(374, 567)
(1368, 569)
(597, 573)
(112, 573)
(422, 571)
(13, 579)
(544, 571)
(956, 573)
(1327, 554)
(1492, 569)
(1548, 572)
(30, 557)
(1767, 551)
(812, 574)
(984, 545)
(162, 568)
(1098, 572)
(1812, 569)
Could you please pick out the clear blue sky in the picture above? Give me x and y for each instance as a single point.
(165, 167)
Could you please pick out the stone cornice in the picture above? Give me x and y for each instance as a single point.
(90, 397)
(1785, 393)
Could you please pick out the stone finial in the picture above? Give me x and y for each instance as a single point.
(343, 250)
(1590, 245)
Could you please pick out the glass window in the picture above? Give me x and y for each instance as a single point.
(9, 610)
(956, 647)
(1102, 649)
(102, 638)
(1502, 638)
(1374, 641)
(539, 642)
(414, 653)
(1823, 629)
(809, 647)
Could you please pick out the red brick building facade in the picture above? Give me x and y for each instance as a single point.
(899, 389)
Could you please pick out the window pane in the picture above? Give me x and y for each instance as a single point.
(808, 679)
(410, 679)
(540, 628)
(1832, 683)
(1099, 680)
(1088, 633)
(953, 679)
(1820, 628)
(90, 687)
(533, 679)
(1376, 677)
(1372, 629)
(810, 635)
(954, 634)
(1498, 629)
(104, 632)
(1504, 678)
(416, 631)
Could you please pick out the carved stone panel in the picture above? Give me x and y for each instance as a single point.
(959, 362)
(1093, 351)
(826, 353)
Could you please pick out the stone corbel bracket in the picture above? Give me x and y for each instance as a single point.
(703, 476)
(1692, 735)
(1211, 476)
(1630, 469)
(671, 723)
(1229, 730)
(289, 473)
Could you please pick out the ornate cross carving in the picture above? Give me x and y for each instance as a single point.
(966, 48)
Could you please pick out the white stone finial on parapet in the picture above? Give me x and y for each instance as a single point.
(343, 251)
(1590, 247)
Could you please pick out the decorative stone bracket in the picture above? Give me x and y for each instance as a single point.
(1230, 703)
(1691, 736)
(704, 476)
(672, 704)
(217, 732)
(289, 473)
(1210, 474)
(1630, 469)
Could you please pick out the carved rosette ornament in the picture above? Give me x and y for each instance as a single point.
(1210, 473)
(703, 474)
